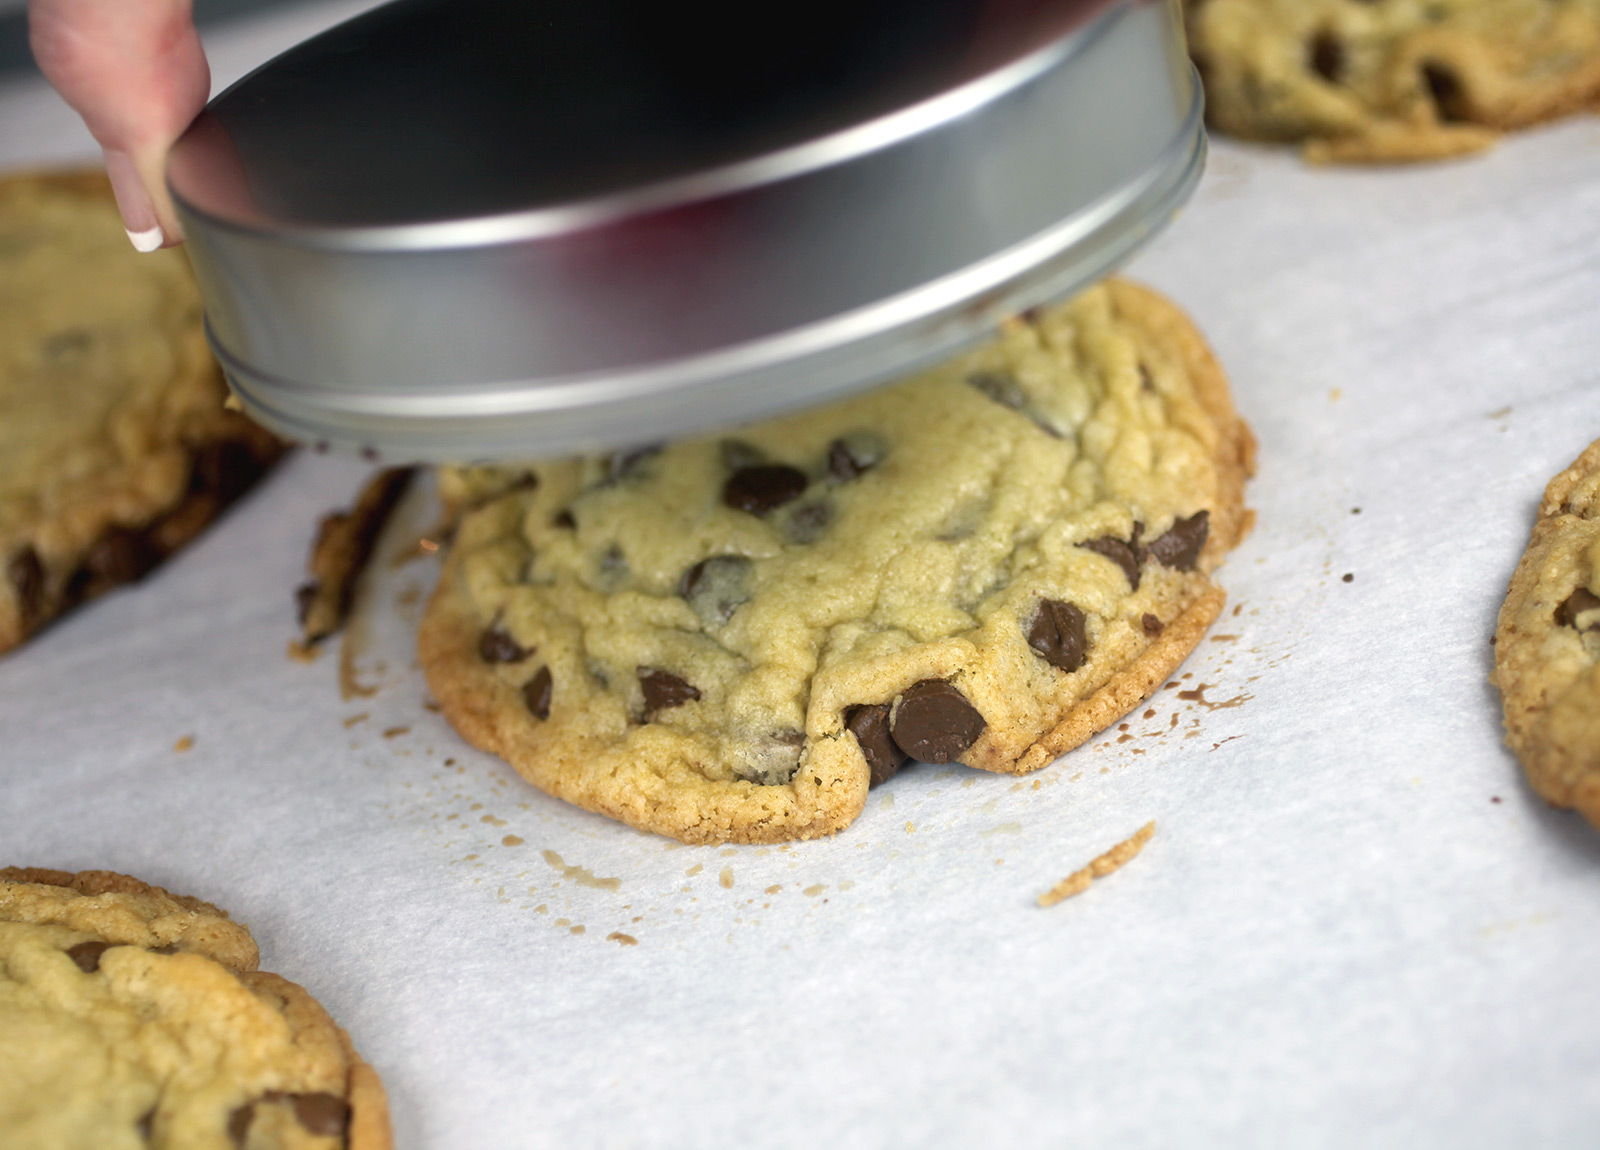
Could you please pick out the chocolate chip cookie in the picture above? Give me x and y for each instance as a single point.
(1547, 645)
(731, 638)
(115, 447)
(134, 1017)
(1393, 80)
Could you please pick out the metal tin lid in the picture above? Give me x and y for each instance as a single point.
(470, 229)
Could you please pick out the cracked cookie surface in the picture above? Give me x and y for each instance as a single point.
(1393, 80)
(135, 1018)
(729, 639)
(1547, 643)
(115, 447)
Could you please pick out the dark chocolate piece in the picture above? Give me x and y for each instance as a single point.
(1000, 386)
(870, 725)
(1327, 56)
(663, 689)
(1059, 634)
(1180, 547)
(1445, 88)
(239, 1124)
(1152, 625)
(851, 456)
(87, 954)
(497, 646)
(934, 722)
(536, 693)
(1124, 554)
(808, 523)
(763, 489)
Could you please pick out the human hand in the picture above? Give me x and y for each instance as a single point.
(135, 71)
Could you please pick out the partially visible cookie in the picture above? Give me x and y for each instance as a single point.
(115, 447)
(131, 1017)
(1393, 80)
(340, 553)
(1547, 645)
(730, 639)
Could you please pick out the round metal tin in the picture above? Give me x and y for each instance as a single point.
(474, 229)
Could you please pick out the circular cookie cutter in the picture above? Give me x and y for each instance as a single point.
(476, 229)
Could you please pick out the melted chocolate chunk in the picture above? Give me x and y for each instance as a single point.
(497, 646)
(324, 1114)
(226, 469)
(808, 523)
(1000, 386)
(715, 587)
(239, 1124)
(26, 576)
(763, 489)
(851, 456)
(1180, 547)
(536, 693)
(121, 555)
(870, 725)
(1445, 88)
(87, 955)
(564, 520)
(1327, 56)
(1152, 625)
(934, 722)
(1576, 604)
(1123, 554)
(663, 689)
(1059, 634)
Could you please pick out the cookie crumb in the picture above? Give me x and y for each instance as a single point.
(1348, 577)
(624, 939)
(184, 744)
(726, 878)
(512, 841)
(1118, 856)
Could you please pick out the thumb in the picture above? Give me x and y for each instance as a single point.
(135, 71)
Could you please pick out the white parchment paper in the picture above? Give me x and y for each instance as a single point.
(1355, 924)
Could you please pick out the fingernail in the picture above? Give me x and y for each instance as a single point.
(138, 213)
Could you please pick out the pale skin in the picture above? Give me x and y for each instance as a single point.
(136, 73)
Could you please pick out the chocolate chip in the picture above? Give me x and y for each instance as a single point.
(851, 456)
(87, 955)
(1146, 380)
(870, 725)
(715, 587)
(1059, 634)
(628, 463)
(146, 1124)
(121, 555)
(808, 523)
(1180, 547)
(934, 722)
(1152, 626)
(497, 646)
(663, 689)
(324, 1114)
(564, 520)
(226, 469)
(763, 489)
(1000, 386)
(239, 1123)
(536, 693)
(304, 596)
(26, 576)
(1327, 56)
(737, 454)
(1576, 604)
(1445, 88)
(1124, 554)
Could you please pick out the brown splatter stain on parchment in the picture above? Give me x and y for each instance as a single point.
(583, 876)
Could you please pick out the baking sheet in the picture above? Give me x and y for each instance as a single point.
(1354, 924)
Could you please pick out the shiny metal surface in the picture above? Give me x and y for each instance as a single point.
(464, 229)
